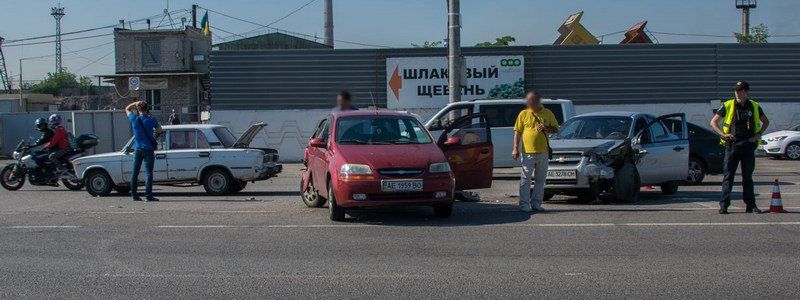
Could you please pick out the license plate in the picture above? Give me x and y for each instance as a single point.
(401, 185)
(561, 174)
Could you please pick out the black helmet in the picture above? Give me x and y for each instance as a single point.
(41, 124)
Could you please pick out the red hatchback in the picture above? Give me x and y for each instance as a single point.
(382, 158)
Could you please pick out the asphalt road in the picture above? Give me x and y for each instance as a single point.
(264, 243)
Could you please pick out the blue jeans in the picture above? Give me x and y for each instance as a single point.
(734, 155)
(148, 156)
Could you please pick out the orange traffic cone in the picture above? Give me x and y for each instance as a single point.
(776, 206)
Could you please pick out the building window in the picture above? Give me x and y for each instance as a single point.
(153, 97)
(151, 53)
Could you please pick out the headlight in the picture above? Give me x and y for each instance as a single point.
(355, 169)
(777, 138)
(442, 167)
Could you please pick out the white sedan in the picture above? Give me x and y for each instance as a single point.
(187, 154)
(784, 143)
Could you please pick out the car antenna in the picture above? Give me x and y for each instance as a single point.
(373, 101)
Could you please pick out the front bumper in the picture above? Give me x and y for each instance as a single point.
(586, 173)
(771, 148)
(345, 190)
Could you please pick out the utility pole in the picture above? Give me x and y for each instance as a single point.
(454, 60)
(58, 13)
(194, 15)
(328, 14)
(745, 6)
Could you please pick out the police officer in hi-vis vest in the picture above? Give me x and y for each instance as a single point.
(743, 122)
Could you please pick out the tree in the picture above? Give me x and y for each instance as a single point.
(56, 81)
(498, 42)
(428, 44)
(758, 35)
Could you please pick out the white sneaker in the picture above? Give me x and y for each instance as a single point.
(525, 207)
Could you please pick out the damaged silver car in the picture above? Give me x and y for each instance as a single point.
(611, 155)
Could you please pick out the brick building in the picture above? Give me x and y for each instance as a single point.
(172, 68)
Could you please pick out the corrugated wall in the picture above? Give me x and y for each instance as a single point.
(677, 73)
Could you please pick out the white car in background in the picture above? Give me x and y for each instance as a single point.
(187, 154)
(501, 115)
(782, 144)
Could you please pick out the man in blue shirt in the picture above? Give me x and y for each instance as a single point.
(145, 128)
(344, 102)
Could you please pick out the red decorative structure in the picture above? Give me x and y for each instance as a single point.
(636, 35)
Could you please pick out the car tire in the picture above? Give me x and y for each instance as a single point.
(122, 189)
(336, 212)
(548, 196)
(217, 182)
(793, 151)
(669, 188)
(98, 183)
(237, 186)
(443, 210)
(697, 171)
(627, 183)
(310, 195)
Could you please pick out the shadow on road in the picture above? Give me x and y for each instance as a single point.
(464, 214)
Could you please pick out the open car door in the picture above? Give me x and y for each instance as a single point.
(467, 144)
(666, 151)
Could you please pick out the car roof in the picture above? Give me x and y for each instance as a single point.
(364, 112)
(191, 126)
(511, 101)
(610, 114)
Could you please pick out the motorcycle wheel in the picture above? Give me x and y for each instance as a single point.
(11, 185)
(76, 185)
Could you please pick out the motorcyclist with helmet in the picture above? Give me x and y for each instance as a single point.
(58, 146)
(47, 133)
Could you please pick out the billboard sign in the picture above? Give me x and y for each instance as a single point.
(421, 82)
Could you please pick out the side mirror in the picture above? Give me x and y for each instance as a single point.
(452, 141)
(318, 143)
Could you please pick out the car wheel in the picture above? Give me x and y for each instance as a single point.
(627, 183)
(548, 196)
(443, 210)
(98, 183)
(336, 211)
(217, 182)
(237, 186)
(793, 151)
(669, 188)
(122, 189)
(697, 171)
(11, 185)
(311, 196)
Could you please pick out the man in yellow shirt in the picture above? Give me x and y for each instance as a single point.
(533, 124)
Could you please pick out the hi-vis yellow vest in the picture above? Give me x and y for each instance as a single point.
(729, 106)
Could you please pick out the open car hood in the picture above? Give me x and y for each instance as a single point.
(247, 137)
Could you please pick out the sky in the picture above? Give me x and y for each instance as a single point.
(376, 22)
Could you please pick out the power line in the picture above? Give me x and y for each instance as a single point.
(63, 40)
(87, 30)
(93, 62)
(273, 22)
(288, 31)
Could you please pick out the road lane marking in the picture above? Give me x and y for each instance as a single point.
(40, 227)
(544, 225)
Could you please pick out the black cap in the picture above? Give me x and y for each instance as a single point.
(741, 85)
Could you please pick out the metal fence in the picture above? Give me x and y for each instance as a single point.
(657, 73)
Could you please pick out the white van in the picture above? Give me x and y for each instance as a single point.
(501, 115)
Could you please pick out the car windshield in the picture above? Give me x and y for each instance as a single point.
(225, 136)
(607, 128)
(381, 130)
(795, 128)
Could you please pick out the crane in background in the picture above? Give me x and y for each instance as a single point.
(4, 79)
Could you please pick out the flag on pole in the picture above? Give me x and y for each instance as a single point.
(206, 28)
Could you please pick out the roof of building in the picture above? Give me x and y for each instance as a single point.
(275, 40)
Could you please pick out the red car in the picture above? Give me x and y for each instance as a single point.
(381, 158)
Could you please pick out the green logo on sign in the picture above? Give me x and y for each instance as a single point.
(510, 62)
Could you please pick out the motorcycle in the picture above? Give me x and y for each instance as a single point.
(40, 171)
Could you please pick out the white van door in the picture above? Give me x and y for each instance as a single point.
(501, 118)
